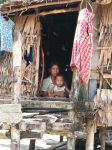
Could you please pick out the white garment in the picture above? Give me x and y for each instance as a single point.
(47, 84)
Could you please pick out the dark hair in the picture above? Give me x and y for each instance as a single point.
(60, 75)
(53, 64)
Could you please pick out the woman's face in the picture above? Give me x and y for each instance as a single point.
(54, 70)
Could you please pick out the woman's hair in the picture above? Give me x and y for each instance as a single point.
(53, 64)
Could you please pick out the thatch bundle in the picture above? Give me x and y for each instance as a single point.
(103, 98)
(6, 74)
(30, 30)
(105, 30)
(104, 2)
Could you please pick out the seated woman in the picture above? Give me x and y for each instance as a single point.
(49, 82)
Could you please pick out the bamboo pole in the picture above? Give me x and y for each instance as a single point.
(15, 133)
(24, 8)
(57, 11)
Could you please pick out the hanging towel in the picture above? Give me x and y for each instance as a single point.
(82, 45)
(6, 36)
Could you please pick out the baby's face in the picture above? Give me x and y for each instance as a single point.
(59, 81)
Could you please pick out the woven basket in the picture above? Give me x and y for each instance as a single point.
(104, 2)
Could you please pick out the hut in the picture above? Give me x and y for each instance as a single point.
(44, 30)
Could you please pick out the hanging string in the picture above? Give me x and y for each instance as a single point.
(84, 4)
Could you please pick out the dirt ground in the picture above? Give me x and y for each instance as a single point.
(46, 142)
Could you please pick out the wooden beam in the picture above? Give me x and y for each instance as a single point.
(60, 126)
(62, 133)
(58, 11)
(23, 135)
(47, 104)
(8, 113)
(34, 6)
(32, 125)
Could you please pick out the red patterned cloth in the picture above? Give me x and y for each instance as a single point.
(82, 45)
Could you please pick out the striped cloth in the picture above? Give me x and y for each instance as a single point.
(82, 45)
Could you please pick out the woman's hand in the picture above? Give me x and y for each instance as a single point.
(50, 94)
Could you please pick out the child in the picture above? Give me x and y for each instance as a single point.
(59, 88)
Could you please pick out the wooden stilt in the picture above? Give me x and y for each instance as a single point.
(15, 133)
(15, 138)
(102, 137)
(71, 143)
(61, 138)
(90, 136)
(32, 145)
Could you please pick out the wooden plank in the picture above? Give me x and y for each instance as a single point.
(62, 133)
(32, 125)
(58, 126)
(107, 76)
(57, 146)
(24, 135)
(10, 118)
(10, 108)
(47, 104)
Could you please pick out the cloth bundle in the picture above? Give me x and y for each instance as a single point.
(82, 45)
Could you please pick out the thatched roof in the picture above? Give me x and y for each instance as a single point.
(10, 6)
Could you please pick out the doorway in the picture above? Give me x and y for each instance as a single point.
(57, 41)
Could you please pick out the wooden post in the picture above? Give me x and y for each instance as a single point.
(74, 94)
(90, 135)
(15, 138)
(102, 137)
(17, 56)
(32, 145)
(71, 143)
(17, 53)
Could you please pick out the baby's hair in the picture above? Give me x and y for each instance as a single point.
(60, 75)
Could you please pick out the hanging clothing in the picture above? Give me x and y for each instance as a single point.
(82, 45)
(47, 84)
(6, 38)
